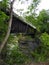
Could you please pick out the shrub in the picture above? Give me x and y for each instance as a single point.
(42, 52)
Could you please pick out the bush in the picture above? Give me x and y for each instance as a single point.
(42, 52)
(3, 25)
(45, 39)
(15, 56)
(13, 53)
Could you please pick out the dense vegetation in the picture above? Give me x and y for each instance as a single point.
(12, 50)
(42, 24)
(3, 25)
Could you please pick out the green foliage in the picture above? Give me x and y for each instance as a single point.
(4, 4)
(44, 15)
(3, 25)
(36, 2)
(42, 52)
(13, 53)
(32, 8)
(24, 37)
(45, 39)
(38, 57)
(42, 24)
(3, 18)
(41, 21)
(15, 57)
(12, 39)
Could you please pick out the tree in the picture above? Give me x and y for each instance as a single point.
(3, 25)
(9, 28)
(4, 6)
(32, 8)
(43, 21)
(42, 24)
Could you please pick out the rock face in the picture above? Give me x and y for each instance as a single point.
(28, 45)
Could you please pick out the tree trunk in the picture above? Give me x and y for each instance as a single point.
(9, 28)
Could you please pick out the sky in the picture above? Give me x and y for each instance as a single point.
(21, 5)
(44, 4)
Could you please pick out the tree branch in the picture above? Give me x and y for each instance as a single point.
(9, 28)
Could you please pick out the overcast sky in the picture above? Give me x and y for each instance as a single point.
(44, 4)
(21, 5)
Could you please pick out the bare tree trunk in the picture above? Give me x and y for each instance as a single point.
(9, 28)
